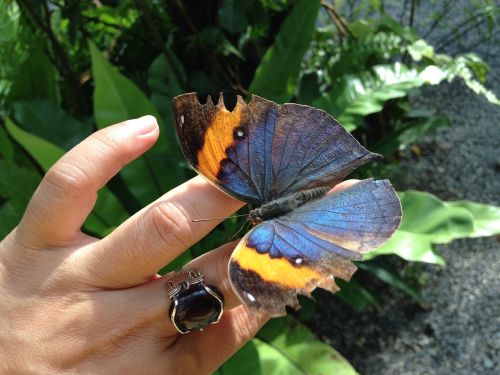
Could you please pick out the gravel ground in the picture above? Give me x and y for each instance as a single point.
(459, 330)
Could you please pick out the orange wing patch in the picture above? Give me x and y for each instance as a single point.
(218, 137)
(274, 270)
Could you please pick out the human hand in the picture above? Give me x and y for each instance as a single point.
(71, 303)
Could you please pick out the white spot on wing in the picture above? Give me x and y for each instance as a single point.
(182, 119)
(250, 297)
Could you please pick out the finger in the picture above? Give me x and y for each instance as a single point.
(157, 234)
(343, 185)
(202, 352)
(68, 191)
(154, 295)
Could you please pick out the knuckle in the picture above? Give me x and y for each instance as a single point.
(171, 224)
(67, 178)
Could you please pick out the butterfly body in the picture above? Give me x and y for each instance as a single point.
(285, 205)
(285, 159)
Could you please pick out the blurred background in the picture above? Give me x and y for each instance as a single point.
(416, 81)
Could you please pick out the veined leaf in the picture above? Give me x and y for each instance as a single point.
(277, 75)
(486, 217)
(356, 96)
(427, 220)
(107, 213)
(287, 347)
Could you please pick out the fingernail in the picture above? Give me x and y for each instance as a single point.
(142, 125)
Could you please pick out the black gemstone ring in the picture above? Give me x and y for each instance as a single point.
(194, 304)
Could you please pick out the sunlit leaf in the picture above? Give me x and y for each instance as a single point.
(356, 96)
(276, 76)
(44, 152)
(286, 347)
(427, 220)
(486, 217)
(245, 361)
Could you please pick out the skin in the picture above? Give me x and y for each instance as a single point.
(72, 303)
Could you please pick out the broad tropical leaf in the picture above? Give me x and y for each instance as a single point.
(427, 221)
(277, 75)
(356, 96)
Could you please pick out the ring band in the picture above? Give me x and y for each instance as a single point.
(194, 304)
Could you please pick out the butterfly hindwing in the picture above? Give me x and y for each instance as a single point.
(308, 248)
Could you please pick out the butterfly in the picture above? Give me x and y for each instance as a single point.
(285, 159)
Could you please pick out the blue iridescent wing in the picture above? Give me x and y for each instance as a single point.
(261, 151)
(310, 247)
(311, 149)
(231, 149)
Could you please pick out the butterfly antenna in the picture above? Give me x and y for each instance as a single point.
(219, 218)
(247, 221)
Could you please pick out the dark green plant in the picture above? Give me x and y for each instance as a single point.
(69, 67)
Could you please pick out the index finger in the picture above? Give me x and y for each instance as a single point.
(157, 234)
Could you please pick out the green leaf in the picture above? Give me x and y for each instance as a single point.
(419, 49)
(6, 147)
(16, 188)
(36, 78)
(245, 361)
(363, 53)
(410, 132)
(47, 120)
(276, 76)
(409, 246)
(463, 66)
(44, 152)
(427, 220)
(232, 16)
(116, 99)
(357, 295)
(424, 213)
(285, 346)
(107, 213)
(486, 217)
(390, 278)
(356, 96)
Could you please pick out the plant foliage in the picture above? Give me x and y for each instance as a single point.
(68, 68)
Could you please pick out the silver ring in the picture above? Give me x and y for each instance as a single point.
(194, 304)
